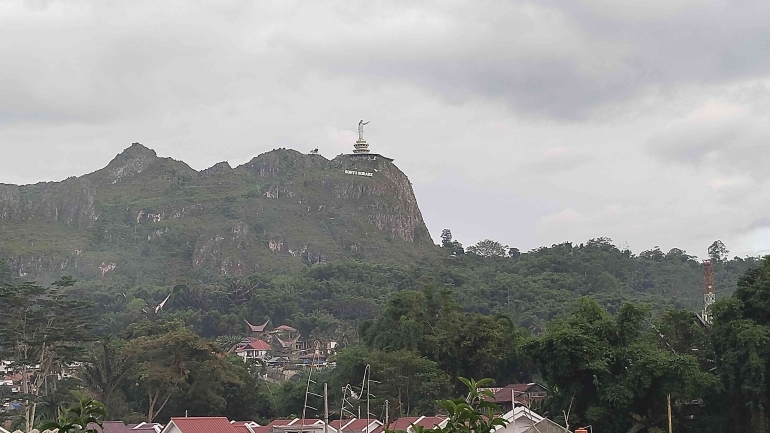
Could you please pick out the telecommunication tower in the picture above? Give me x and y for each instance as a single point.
(708, 291)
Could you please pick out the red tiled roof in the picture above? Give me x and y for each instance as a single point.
(109, 427)
(262, 429)
(514, 390)
(254, 344)
(241, 428)
(404, 423)
(213, 424)
(353, 425)
(431, 421)
(308, 421)
(522, 387)
(280, 422)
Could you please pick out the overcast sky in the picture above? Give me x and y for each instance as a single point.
(531, 123)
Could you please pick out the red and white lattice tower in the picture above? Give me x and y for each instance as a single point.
(708, 291)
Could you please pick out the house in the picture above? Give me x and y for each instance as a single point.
(278, 361)
(520, 393)
(14, 381)
(245, 426)
(208, 424)
(252, 348)
(5, 367)
(312, 359)
(523, 420)
(257, 331)
(356, 425)
(296, 425)
(407, 423)
(120, 427)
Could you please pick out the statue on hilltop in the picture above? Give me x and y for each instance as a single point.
(361, 129)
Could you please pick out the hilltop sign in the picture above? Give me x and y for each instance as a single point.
(359, 173)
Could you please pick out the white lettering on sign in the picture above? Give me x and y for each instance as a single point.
(359, 173)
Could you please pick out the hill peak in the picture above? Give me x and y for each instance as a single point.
(132, 161)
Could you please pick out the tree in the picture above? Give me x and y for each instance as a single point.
(473, 413)
(605, 367)
(489, 248)
(6, 276)
(454, 247)
(105, 368)
(45, 328)
(514, 253)
(167, 357)
(87, 417)
(741, 338)
(412, 383)
(446, 238)
(718, 251)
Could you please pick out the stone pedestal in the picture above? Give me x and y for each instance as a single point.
(361, 146)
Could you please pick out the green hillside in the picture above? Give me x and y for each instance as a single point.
(144, 219)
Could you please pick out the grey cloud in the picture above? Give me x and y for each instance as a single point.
(733, 145)
(759, 223)
(466, 96)
(556, 164)
(566, 60)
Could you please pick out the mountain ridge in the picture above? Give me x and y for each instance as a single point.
(281, 209)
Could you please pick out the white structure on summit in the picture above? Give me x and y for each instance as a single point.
(361, 145)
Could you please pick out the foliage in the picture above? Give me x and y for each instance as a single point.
(171, 358)
(87, 417)
(488, 248)
(42, 332)
(741, 338)
(411, 383)
(474, 413)
(718, 251)
(602, 366)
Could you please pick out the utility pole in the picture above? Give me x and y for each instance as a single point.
(387, 413)
(326, 409)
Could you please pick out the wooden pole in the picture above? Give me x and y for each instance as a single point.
(326, 409)
(668, 401)
(387, 413)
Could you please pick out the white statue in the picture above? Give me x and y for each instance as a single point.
(361, 129)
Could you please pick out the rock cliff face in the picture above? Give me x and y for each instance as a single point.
(153, 219)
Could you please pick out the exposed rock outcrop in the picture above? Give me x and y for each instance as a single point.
(282, 208)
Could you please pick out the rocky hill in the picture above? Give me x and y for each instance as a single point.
(143, 218)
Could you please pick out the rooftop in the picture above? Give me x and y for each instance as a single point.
(214, 424)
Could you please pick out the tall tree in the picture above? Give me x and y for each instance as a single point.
(167, 357)
(43, 331)
(6, 275)
(611, 371)
(104, 369)
(488, 248)
(741, 338)
(718, 251)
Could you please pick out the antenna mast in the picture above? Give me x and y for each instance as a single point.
(709, 296)
(307, 388)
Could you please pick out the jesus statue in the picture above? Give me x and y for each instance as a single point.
(361, 129)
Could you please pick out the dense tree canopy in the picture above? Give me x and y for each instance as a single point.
(609, 333)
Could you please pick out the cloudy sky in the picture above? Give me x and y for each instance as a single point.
(531, 123)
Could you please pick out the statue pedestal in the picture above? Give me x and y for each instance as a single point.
(361, 146)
